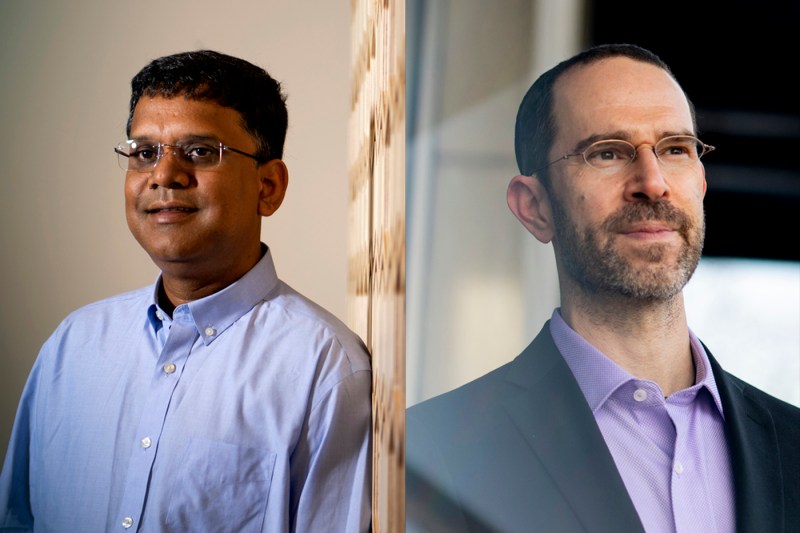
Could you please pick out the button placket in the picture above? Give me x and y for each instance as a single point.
(182, 336)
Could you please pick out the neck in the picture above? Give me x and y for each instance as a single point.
(649, 339)
(174, 291)
(186, 282)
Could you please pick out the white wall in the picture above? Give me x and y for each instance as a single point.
(65, 69)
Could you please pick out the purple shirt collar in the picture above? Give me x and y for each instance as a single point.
(599, 377)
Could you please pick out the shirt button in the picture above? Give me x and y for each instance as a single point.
(169, 368)
(127, 522)
(159, 315)
(210, 332)
(678, 467)
(640, 395)
(146, 442)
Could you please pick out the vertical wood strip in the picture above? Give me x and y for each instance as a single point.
(376, 283)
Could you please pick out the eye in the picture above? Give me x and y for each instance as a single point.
(678, 148)
(201, 153)
(607, 154)
(144, 152)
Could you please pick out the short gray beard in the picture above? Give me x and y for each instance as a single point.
(590, 259)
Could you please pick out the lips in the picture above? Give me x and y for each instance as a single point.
(169, 207)
(649, 219)
(166, 213)
(648, 228)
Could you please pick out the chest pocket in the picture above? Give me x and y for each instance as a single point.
(221, 487)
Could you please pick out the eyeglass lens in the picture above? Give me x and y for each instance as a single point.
(142, 157)
(674, 151)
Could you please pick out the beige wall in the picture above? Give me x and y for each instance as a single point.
(65, 69)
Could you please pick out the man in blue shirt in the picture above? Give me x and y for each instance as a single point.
(219, 399)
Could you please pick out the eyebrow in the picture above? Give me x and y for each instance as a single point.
(620, 135)
(188, 138)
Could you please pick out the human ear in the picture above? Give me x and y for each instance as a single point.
(274, 178)
(705, 184)
(529, 201)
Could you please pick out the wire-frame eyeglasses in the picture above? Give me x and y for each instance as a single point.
(203, 154)
(613, 155)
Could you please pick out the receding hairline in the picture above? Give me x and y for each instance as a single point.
(535, 126)
(596, 62)
(563, 79)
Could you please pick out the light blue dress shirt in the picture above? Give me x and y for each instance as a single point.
(248, 410)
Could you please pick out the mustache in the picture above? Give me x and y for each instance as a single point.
(165, 195)
(648, 211)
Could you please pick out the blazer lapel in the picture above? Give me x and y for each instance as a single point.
(753, 448)
(556, 421)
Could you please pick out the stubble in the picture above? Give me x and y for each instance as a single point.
(592, 259)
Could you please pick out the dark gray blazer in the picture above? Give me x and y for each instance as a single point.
(519, 450)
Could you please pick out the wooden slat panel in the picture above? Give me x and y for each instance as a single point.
(376, 288)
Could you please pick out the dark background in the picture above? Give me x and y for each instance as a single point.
(738, 62)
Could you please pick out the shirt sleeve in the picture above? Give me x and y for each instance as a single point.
(331, 466)
(15, 496)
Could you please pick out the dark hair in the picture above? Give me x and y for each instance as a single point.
(535, 127)
(225, 80)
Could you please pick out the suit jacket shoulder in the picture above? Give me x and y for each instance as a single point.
(515, 450)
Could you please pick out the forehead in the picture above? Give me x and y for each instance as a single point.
(171, 119)
(618, 94)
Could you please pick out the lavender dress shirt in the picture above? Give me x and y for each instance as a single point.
(670, 452)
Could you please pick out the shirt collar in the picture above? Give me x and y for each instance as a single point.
(217, 312)
(599, 377)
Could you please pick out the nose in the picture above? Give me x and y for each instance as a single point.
(646, 180)
(168, 171)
